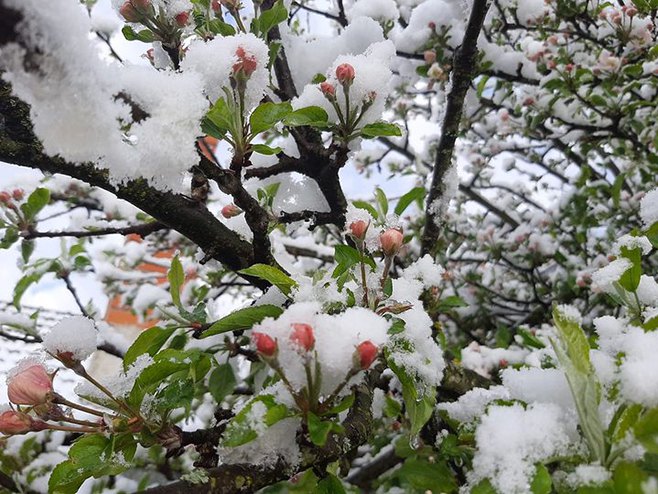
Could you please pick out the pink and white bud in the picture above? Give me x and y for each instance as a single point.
(231, 211)
(328, 89)
(345, 74)
(358, 229)
(5, 198)
(302, 336)
(182, 19)
(30, 386)
(391, 241)
(216, 6)
(130, 13)
(12, 422)
(265, 344)
(246, 63)
(429, 56)
(367, 353)
(17, 194)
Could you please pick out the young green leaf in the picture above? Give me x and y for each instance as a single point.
(242, 319)
(148, 342)
(381, 129)
(265, 116)
(274, 275)
(176, 278)
(313, 116)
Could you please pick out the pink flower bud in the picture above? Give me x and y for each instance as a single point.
(246, 63)
(391, 241)
(130, 13)
(216, 6)
(264, 344)
(345, 74)
(569, 67)
(328, 89)
(429, 56)
(12, 422)
(231, 211)
(367, 352)
(142, 5)
(631, 11)
(432, 25)
(302, 336)
(30, 386)
(551, 64)
(17, 194)
(5, 198)
(182, 18)
(358, 229)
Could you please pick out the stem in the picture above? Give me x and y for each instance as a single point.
(388, 260)
(364, 281)
(353, 372)
(66, 428)
(107, 392)
(63, 401)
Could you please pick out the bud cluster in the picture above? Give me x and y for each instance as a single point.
(302, 341)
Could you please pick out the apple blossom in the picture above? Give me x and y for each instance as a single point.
(12, 422)
(367, 352)
(391, 241)
(345, 74)
(30, 386)
(265, 344)
(302, 336)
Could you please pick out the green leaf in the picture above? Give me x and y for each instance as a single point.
(380, 129)
(265, 116)
(22, 285)
(27, 248)
(35, 203)
(271, 17)
(92, 456)
(148, 342)
(367, 206)
(220, 27)
(176, 278)
(242, 319)
(419, 407)
(541, 482)
(344, 404)
(346, 257)
(222, 382)
(330, 485)
(483, 487)
(573, 354)
(415, 194)
(646, 430)
(218, 122)
(11, 236)
(261, 410)
(382, 202)
(318, 430)
(274, 275)
(264, 149)
(630, 279)
(145, 35)
(423, 475)
(313, 116)
(628, 478)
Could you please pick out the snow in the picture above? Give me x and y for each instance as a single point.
(639, 368)
(533, 385)
(588, 475)
(649, 208)
(631, 243)
(647, 290)
(511, 439)
(472, 404)
(380, 10)
(213, 60)
(82, 91)
(336, 339)
(483, 359)
(76, 335)
(603, 279)
(372, 76)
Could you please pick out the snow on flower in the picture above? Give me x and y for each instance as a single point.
(372, 77)
(73, 335)
(214, 61)
(336, 338)
(649, 208)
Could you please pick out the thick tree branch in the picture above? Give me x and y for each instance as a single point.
(19, 145)
(462, 75)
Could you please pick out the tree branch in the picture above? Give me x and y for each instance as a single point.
(463, 72)
(142, 230)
